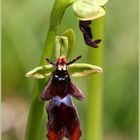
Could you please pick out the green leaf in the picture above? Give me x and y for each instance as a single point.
(83, 69)
(88, 9)
(71, 40)
(40, 72)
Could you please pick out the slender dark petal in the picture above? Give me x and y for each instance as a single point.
(86, 30)
(50, 62)
(74, 60)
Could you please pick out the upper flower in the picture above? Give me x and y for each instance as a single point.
(89, 9)
(86, 11)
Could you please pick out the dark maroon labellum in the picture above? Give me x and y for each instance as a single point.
(86, 30)
(63, 120)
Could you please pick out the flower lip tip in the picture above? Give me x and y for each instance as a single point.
(93, 45)
(97, 41)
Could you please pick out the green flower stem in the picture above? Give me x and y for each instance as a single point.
(94, 106)
(55, 19)
(34, 123)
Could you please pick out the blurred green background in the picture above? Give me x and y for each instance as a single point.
(24, 27)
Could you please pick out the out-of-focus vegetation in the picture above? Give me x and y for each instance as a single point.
(24, 28)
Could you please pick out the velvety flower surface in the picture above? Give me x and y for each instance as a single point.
(86, 30)
(60, 85)
(63, 120)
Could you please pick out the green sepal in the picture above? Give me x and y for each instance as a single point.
(89, 9)
(102, 2)
(61, 46)
(71, 41)
(75, 70)
(40, 72)
(83, 69)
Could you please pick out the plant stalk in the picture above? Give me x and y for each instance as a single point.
(94, 105)
(35, 117)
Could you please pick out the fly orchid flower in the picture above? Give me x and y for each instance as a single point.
(86, 11)
(63, 119)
